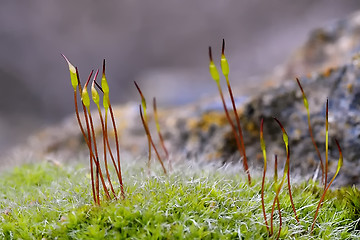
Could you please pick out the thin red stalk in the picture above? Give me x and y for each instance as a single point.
(118, 168)
(143, 103)
(278, 202)
(215, 75)
(87, 141)
(117, 151)
(273, 205)
(288, 171)
(233, 129)
(150, 139)
(105, 160)
(275, 169)
(262, 199)
(91, 159)
(107, 144)
(264, 174)
(83, 131)
(287, 166)
(290, 194)
(319, 205)
(97, 156)
(159, 133)
(328, 186)
(97, 189)
(246, 167)
(311, 133)
(280, 218)
(105, 133)
(89, 137)
(326, 141)
(291, 199)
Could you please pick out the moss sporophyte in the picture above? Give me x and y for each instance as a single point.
(240, 144)
(102, 181)
(90, 137)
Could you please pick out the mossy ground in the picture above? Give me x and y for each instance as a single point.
(195, 202)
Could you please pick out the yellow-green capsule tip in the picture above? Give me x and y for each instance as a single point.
(94, 93)
(340, 162)
(73, 75)
(85, 95)
(104, 84)
(223, 62)
(212, 69)
(143, 101)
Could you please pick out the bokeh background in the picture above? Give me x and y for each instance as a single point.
(162, 44)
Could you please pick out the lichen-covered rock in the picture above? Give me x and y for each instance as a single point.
(327, 48)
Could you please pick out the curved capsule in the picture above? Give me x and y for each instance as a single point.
(73, 76)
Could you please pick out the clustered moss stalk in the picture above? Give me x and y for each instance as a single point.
(240, 144)
(238, 135)
(144, 120)
(90, 136)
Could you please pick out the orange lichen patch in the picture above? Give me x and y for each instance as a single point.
(350, 88)
(192, 123)
(213, 155)
(207, 119)
(212, 118)
(251, 128)
(327, 72)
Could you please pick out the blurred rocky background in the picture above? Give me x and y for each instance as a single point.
(160, 44)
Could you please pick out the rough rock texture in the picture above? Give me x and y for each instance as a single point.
(200, 130)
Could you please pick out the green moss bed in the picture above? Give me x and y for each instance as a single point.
(46, 201)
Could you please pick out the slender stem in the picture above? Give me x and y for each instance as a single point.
(319, 205)
(117, 150)
(232, 126)
(275, 171)
(280, 218)
(262, 198)
(106, 141)
(311, 131)
(150, 139)
(105, 158)
(286, 141)
(91, 158)
(326, 141)
(143, 104)
(263, 148)
(96, 154)
(88, 142)
(246, 167)
(340, 163)
(156, 117)
(273, 207)
(317, 150)
(290, 194)
(278, 192)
